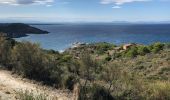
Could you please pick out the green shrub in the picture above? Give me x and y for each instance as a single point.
(142, 50)
(100, 93)
(158, 91)
(29, 95)
(108, 58)
(5, 51)
(66, 58)
(132, 52)
(167, 46)
(94, 92)
(69, 81)
(157, 47)
(103, 47)
(164, 69)
(28, 59)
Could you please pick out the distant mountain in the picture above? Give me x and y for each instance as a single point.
(141, 22)
(16, 30)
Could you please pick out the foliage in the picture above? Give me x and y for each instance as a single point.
(5, 47)
(95, 92)
(142, 50)
(28, 60)
(29, 95)
(145, 77)
(132, 52)
(156, 47)
(103, 47)
(158, 91)
(108, 58)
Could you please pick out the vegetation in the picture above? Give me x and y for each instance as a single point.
(102, 47)
(138, 73)
(29, 95)
(143, 50)
(16, 30)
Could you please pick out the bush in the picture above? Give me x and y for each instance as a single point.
(69, 81)
(100, 93)
(94, 92)
(28, 95)
(66, 58)
(142, 50)
(108, 58)
(157, 47)
(28, 59)
(5, 50)
(158, 91)
(103, 47)
(132, 52)
(167, 46)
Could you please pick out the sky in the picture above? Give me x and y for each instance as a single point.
(84, 10)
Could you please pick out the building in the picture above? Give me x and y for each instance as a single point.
(127, 46)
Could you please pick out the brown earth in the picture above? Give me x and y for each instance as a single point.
(10, 85)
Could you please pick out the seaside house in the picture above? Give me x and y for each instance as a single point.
(127, 46)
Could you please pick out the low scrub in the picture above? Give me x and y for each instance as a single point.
(30, 95)
(139, 73)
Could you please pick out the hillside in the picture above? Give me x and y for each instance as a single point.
(99, 71)
(16, 30)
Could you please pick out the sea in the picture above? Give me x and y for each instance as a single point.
(62, 36)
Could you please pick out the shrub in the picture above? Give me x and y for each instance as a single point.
(157, 47)
(28, 60)
(102, 47)
(132, 52)
(95, 92)
(69, 81)
(142, 50)
(158, 91)
(108, 58)
(29, 95)
(167, 46)
(5, 50)
(88, 66)
(66, 58)
(164, 69)
(100, 93)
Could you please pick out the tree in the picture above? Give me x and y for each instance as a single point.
(28, 59)
(5, 48)
(86, 74)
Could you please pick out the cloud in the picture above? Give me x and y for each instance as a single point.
(120, 2)
(49, 5)
(25, 2)
(116, 7)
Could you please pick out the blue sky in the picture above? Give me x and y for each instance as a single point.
(84, 10)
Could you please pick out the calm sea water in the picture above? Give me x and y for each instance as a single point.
(63, 35)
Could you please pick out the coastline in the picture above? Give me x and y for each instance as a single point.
(61, 37)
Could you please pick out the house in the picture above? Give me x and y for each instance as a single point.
(127, 46)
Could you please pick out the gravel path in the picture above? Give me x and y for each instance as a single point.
(10, 85)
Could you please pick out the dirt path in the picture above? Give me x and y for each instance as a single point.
(10, 85)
